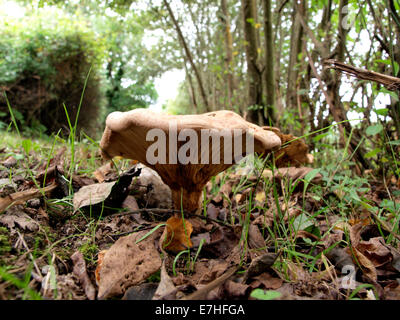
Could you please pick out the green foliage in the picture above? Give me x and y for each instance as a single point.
(44, 59)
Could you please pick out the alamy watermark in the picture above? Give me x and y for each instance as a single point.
(204, 146)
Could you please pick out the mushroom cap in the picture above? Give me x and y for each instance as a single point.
(125, 135)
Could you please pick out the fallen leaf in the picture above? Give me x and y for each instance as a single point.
(101, 173)
(9, 162)
(128, 263)
(260, 197)
(366, 265)
(223, 241)
(295, 176)
(80, 272)
(16, 216)
(256, 241)
(112, 194)
(375, 251)
(177, 234)
(92, 194)
(267, 280)
(100, 259)
(260, 265)
(166, 288)
(130, 203)
(231, 290)
(392, 291)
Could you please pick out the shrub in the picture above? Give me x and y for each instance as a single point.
(44, 62)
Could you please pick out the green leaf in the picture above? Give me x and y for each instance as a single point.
(374, 129)
(27, 145)
(265, 295)
(320, 136)
(391, 93)
(394, 142)
(382, 112)
(311, 175)
(372, 153)
(302, 222)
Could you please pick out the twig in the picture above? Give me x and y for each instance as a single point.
(202, 293)
(391, 83)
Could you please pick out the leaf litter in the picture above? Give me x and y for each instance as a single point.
(231, 252)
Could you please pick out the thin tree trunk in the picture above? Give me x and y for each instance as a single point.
(228, 51)
(295, 49)
(255, 114)
(269, 64)
(188, 55)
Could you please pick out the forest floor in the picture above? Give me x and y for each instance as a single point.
(307, 234)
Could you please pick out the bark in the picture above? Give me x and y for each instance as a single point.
(295, 49)
(255, 115)
(188, 55)
(225, 18)
(269, 63)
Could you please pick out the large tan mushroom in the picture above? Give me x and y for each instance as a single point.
(134, 133)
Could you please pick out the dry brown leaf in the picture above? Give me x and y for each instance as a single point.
(16, 216)
(128, 263)
(101, 173)
(367, 266)
(267, 280)
(256, 241)
(375, 251)
(81, 273)
(92, 194)
(166, 288)
(130, 203)
(260, 264)
(100, 259)
(9, 162)
(177, 234)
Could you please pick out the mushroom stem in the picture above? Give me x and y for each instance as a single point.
(188, 200)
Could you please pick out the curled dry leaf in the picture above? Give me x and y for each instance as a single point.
(100, 259)
(128, 263)
(166, 288)
(177, 234)
(366, 265)
(260, 265)
(256, 241)
(375, 251)
(81, 273)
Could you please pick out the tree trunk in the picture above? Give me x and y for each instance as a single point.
(295, 49)
(188, 55)
(225, 18)
(254, 92)
(269, 78)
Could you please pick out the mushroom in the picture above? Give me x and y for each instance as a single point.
(133, 134)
